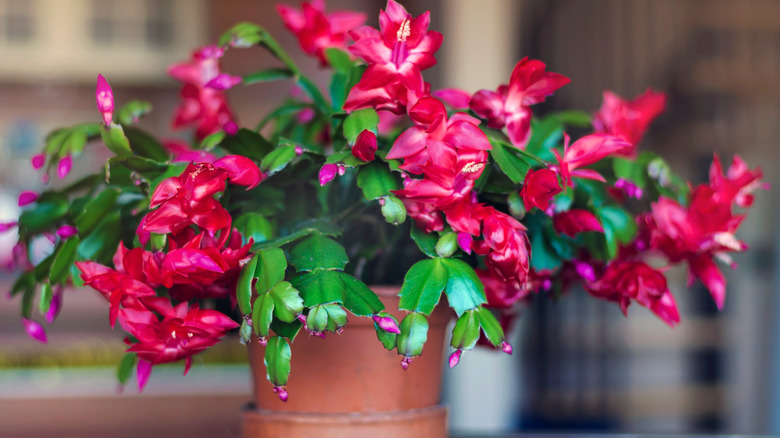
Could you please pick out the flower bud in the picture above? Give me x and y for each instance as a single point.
(5, 226)
(27, 197)
(506, 347)
(585, 270)
(464, 242)
(56, 305)
(35, 330)
(341, 169)
(386, 323)
(38, 161)
(64, 166)
(281, 391)
(393, 210)
(327, 173)
(365, 146)
(230, 128)
(447, 245)
(104, 97)
(455, 358)
(405, 363)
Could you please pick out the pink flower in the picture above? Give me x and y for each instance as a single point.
(505, 246)
(573, 222)
(586, 151)
(7, 226)
(738, 184)
(201, 104)
(27, 197)
(425, 216)
(316, 30)
(455, 98)
(64, 166)
(628, 119)
(118, 288)
(539, 187)
(396, 55)
(439, 141)
(500, 293)
(624, 281)
(508, 106)
(104, 97)
(223, 81)
(177, 333)
(181, 151)
(56, 305)
(365, 146)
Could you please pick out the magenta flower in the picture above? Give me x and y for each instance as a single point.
(576, 221)
(386, 323)
(628, 119)
(505, 246)
(316, 30)
(104, 97)
(56, 305)
(738, 184)
(454, 358)
(201, 104)
(396, 54)
(66, 231)
(118, 288)
(508, 106)
(587, 151)
(624, 281)
(539, 187)
(172, 333)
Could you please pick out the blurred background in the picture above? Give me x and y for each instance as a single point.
(579, 365)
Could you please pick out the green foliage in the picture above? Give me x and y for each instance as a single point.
(376, 180)
(464, 290)
(414, 333)
(318, 252)
(423, 285)
(277, 360)
(359, 121)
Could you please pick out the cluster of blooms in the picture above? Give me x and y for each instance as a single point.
(195, 265)
(445, 155)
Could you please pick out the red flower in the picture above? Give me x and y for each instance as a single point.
(573, 222)
(316, 30)
(628, 119)
(204, 102)
(396, 54)
(586, 151)
(508, 106)
(501, 294)
(539, 187)
(698, 234)
(178, 333)
(624, 281)
(425, 215)
(438, 140)
(118, 288)
(189, 198)
(365, 146)
(505, 246)
(738, 184)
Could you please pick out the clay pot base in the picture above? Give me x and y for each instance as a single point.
(430, 422)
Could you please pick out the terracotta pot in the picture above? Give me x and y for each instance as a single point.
(348, 385)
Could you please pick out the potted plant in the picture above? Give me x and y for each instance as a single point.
(286, 230)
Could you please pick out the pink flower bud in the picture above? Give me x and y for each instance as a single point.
(382, 201)
(6, 226)
(35, 330)
(38, 161)
(327, 173)
(365, 146)
(282, 392)
(223, 81)
(262, 341)
(506, 347)
(56, 305)
(143, 371)
(386, 323)
(298, 150)
(341, 169)
(585, 270)
(104, 97)
(64, 166)
(230, 128)
(27, 197)
(464, 242)
(455, 358)
(405, 363)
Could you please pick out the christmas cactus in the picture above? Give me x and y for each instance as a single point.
(277, 227)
